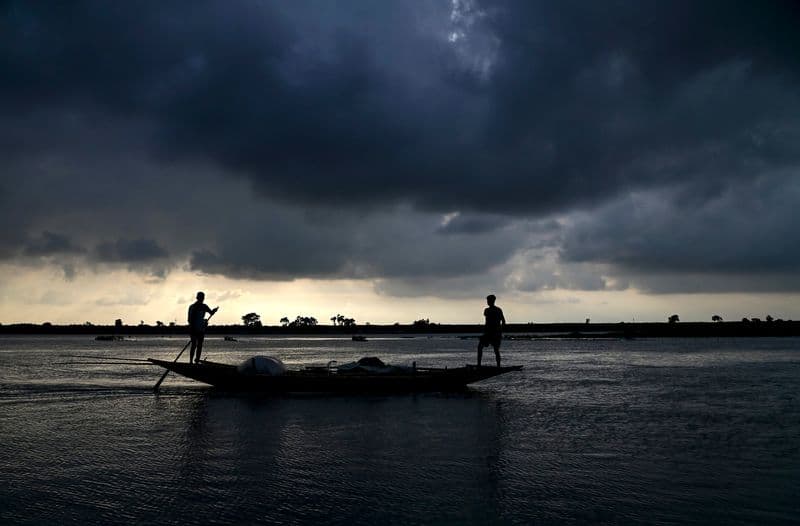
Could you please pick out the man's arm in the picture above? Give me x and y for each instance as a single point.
(502, 318)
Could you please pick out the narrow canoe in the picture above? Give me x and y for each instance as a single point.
(321, 380)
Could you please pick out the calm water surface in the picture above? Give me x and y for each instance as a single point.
(644, 431)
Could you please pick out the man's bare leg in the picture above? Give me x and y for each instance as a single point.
(480, 353)
(497, 355)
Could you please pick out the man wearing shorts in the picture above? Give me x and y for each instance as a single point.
(493, 330)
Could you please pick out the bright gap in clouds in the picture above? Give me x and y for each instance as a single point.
(42, 294)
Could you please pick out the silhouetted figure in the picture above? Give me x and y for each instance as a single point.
(197, 325)
(493, 330)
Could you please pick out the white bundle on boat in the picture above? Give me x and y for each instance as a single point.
(262, 365)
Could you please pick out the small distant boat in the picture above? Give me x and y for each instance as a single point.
(359, 338)
(109, 338)
(349, 378)
(230, 339)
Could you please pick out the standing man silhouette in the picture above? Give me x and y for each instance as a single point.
(493, 330)
(197, 325)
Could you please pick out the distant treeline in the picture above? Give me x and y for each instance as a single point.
(513, 331)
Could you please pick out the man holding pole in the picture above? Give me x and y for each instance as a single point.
(198, 324)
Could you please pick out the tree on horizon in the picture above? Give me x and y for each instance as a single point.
(304, 321)
(251, 319)
(343, 321)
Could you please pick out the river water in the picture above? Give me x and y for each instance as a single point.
(661, 431)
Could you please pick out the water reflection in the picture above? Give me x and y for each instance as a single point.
(358, 459)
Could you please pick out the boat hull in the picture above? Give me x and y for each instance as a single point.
(227, 377)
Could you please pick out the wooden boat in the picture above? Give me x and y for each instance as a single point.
(330, 380)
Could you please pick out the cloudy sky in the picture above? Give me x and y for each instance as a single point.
(399, 160)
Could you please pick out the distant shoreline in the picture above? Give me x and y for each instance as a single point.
(777, 328)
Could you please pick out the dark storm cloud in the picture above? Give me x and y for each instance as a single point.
(129, 251)
(743, 230)
(472, 224)
(668, 241)
(488, 113)
(49, 244)
(576, 100)
(393, 244)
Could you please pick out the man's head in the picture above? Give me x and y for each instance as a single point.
(490, 299)
(201, 296)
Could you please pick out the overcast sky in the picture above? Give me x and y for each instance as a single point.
(398, 160)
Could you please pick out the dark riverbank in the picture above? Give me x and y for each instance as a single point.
(513, 331)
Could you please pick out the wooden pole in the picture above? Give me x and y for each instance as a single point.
(163, 376)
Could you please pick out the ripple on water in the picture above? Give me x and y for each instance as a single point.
(654, 431)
